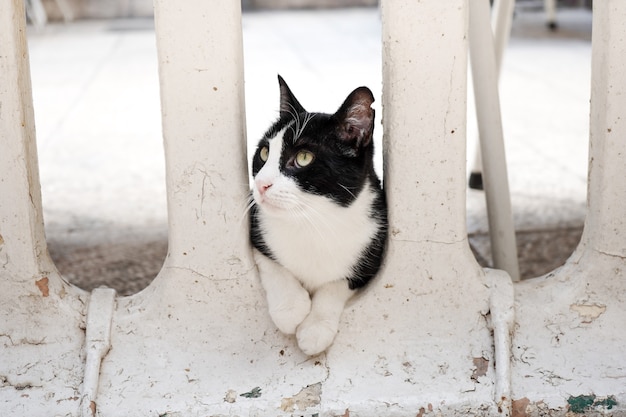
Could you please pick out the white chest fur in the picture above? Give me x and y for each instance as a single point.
(321, 241)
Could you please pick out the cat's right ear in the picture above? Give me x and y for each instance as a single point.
(290, 107)
(356, 118)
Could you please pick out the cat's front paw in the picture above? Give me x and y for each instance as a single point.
(315, 335)
(288, 314)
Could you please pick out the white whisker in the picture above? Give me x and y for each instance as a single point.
(298, 125)
(246, 207)
(319, 218)
(305, 219)
(346, 188)
(308, 118)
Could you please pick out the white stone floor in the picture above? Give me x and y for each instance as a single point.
(96, 96)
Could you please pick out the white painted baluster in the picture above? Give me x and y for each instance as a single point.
(501, 20)
(549, 7)
(569, 340)
(20, 202)
(41, 339)
(605, 226)
(202, 96)
(495, 178)
(424, 119)
(432, 276)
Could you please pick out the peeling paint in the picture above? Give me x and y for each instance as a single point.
(583, 403)
(381, 366)
(253, 393)
(309, 396)
(519, 407)
(608, 402)
(230, 396)
(425, 410)
(42, 284)
(588, 312)
(481, 365)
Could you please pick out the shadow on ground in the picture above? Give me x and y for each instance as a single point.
(128, 267)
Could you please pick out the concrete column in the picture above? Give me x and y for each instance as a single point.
(567, 351)
(22, 237)
(424, 97)
(605, 227)
(202, 97)
(430, 273)
(40, 315)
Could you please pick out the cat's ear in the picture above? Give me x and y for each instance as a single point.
(290, 107)
(356, 118)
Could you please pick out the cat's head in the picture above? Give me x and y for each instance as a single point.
(306, 155)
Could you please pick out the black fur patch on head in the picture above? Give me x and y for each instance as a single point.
(341, 144)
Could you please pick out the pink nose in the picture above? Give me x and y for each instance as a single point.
(263, 186)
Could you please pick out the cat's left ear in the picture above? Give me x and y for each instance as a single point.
(290, 107)
(356, 118)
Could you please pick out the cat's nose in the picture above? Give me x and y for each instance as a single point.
(263, 186)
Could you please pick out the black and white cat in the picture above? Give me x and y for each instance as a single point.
(319, 217)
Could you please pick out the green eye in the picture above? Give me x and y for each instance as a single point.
(304, 158)
(264, 154)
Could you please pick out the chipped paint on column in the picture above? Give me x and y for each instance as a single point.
(568, 344)
(97, 345)
(41, 316)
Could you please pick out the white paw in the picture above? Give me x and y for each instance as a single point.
(315, 335)
(288, 314)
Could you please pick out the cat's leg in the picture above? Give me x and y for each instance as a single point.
(318, 330)
(288, 302)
